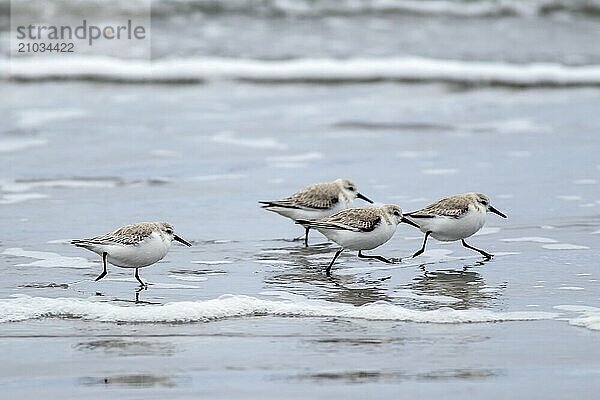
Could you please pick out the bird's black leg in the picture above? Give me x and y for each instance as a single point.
(423, 247)
(137, 276)
(104, 272)
(328, 270)
(483, 253)
(380, 258)
(306, 236)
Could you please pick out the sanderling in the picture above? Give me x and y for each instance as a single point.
(453, 218)
(316, 201)
(359, 229)
(132, 246)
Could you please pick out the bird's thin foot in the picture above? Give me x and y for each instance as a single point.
(102, 275)
(418, 253)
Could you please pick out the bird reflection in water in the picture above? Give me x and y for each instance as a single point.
(136, 297)
(463, 284)
(308, 279)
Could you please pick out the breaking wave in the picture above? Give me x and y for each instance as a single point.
(328, 70)
(230, 306)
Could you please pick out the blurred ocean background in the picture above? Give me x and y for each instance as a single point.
(246, 100)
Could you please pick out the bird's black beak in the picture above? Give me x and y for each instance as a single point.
(495, 211)
(180, 240)
(365, 198)
(409, 222)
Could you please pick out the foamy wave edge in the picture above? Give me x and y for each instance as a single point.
(230, 306)
(320, 8)
(325, 70)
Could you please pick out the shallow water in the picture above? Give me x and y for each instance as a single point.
(247, 311)
(446, 322)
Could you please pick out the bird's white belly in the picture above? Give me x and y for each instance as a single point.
(360, 240)
(147, 252)
(450, 229)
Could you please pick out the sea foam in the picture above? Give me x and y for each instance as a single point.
(589, 316)
(47, 259)
(9, 145)
(229, 306)
(534, 239)
(327, 8)
(322, 70)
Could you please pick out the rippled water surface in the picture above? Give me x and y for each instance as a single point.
(247, 312)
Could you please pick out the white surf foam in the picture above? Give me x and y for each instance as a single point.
(35, 117)
(568, 197)
(510, 125)
(275, 251)
(585, 181)
(13, 198)
(439, 171)
(211, 262)
(47, 259)
(273, 262)
(414, 154)
(487, 230)
(24, 186)
(189, 278)
(294, 161)
(314, 70)
(310, 156)
(328, 8)
(564, 246)
(216, 177)
(534, 239)
(519, 153)
(164, 153)
(9, 145)
(255, 143)
(589, 316)
(229, 306)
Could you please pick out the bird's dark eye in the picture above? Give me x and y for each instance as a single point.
(169, 231)
(350, 188)
(396, 213)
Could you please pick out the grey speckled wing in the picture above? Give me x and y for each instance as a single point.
(352, 219)
(319, 196)
(127, 235)
(453, 207)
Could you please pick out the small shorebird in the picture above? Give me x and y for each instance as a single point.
(132, 246)
(359, 229)
(316, 201)
(453, 218)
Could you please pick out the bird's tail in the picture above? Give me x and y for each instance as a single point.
(81, 243)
